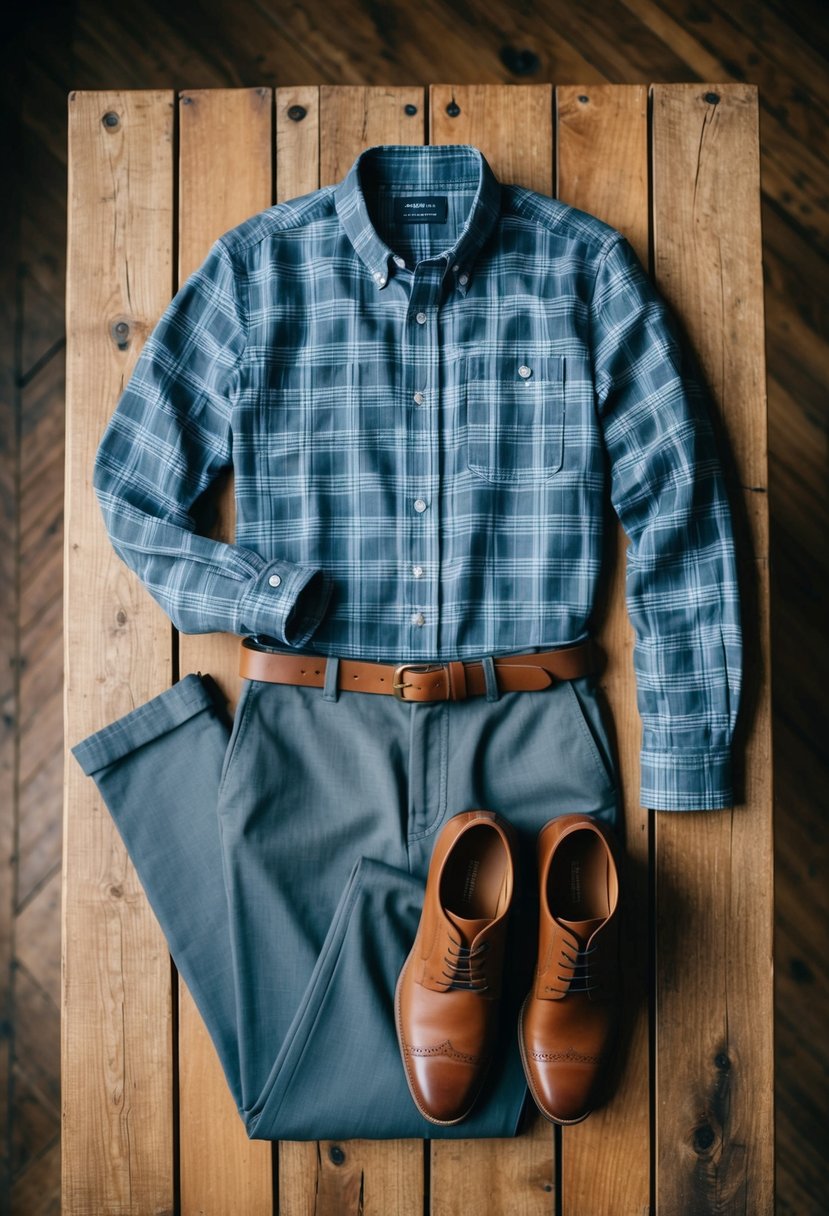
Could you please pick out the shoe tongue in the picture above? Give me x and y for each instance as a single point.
(468, 928)
(582, 928)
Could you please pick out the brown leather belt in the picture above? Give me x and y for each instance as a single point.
(450, 681)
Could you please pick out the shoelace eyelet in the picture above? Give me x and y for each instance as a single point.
(466, 967)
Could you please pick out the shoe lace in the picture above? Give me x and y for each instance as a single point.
(581, 978)
(467, 966)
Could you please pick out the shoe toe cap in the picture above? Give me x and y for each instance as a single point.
(565, 1090)
(445, 1087)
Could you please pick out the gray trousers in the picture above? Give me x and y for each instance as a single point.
(284, 853)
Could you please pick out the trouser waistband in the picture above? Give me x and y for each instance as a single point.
(441, 681)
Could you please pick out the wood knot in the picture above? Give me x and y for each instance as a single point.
(520, 63)
(703, 1139)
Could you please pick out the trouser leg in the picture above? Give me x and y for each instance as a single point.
(317, 808)
(157, 770)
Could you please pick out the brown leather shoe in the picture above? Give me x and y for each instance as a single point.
(569, 1018)
(447, 995)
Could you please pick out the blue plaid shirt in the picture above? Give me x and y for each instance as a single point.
(426, 383)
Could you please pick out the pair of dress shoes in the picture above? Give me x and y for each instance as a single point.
(448, 992)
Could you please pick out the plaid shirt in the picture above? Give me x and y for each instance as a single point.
(423, 435)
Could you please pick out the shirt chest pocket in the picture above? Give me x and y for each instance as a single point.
(514, 416)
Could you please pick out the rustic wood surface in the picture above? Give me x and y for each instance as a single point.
(49, 49)
(116, 1012)
(691, 1106)
(221, 1169)
(714, 874)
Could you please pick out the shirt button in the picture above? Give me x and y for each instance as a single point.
(400, 261)
(455, 267)
(421, 318)
(463, 278)
(524, 370)
(419, 505)
(417, 571)
(419, 398)
(274, 580)
(418, 618)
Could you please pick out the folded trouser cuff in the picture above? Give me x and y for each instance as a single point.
(155, 717)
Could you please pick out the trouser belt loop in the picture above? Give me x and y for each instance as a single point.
(332, 669)
(492, 691)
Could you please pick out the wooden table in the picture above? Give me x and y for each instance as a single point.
(149, 1125)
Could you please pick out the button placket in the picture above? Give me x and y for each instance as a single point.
(427, 283)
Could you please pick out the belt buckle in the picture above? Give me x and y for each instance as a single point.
(397, 683)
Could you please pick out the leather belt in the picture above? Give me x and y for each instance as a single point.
(448, 681)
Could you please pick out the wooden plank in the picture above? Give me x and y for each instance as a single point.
(297, 136)
(513, 127)
(511, 124)
(714, 1062)
(603, 168)
(225, 154)
(353, 117)
(116, 1007)
(365, 1177)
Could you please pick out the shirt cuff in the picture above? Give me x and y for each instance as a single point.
(285, 600)
(682, 780)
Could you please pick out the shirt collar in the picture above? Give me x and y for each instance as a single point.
(429, 167)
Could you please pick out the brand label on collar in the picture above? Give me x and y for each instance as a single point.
(421, 209)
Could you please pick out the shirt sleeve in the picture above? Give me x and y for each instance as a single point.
(667, 487)
(168, 438)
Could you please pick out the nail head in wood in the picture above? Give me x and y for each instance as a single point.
(120, 332)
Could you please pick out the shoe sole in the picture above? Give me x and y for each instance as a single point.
(426, 1115)
(547, 1115)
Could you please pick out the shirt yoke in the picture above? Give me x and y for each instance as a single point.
(557, 218)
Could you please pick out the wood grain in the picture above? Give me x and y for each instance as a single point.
(116, 1003)
(603, 169)
(225, 151)
(714, 1062)
(511, 124)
